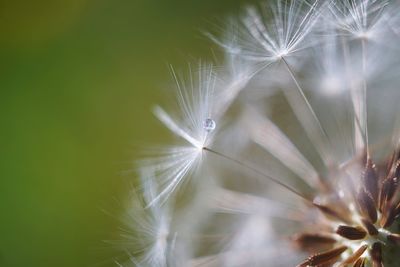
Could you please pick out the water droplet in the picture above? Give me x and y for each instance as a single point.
(209, 125)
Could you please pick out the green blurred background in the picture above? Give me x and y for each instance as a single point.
(77, 80)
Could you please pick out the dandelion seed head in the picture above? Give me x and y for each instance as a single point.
(285, 144)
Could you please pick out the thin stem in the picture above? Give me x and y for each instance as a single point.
(356, 109)
(309, 107)
(364, 91)
(257, 172)
(301, 91)
(345, 59)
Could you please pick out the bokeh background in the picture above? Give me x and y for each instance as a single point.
(77, 81)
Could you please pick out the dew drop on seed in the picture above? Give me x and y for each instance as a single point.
(209, 125)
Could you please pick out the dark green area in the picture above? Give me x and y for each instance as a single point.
(77, 81)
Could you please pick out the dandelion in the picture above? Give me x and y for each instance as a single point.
(290, 142)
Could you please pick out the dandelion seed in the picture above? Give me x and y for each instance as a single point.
(291, 22)
(196, 103)
(362, 19)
